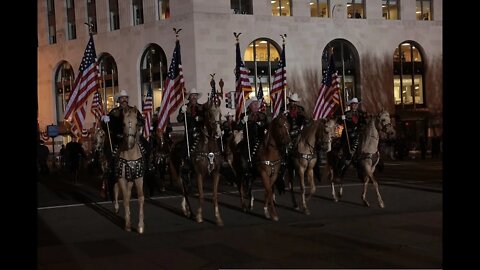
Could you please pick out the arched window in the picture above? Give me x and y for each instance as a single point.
(408, 77)
(261, 58)
(64, 78)
(347, 62)
(109, 80)
(153, 71)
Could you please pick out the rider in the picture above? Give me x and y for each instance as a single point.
(295, 116)
(355, 120)
(194, 114)
(257, 123)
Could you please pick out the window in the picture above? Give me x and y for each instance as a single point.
(281, 7)
(153, 71)
(356, 9)
(92, 15)
(163, 9)
(109, 80)
(261, 58)
(346, 61)
(137, 8)
(320, 8)
(424, 10)
(114, 15)
(390, 9)
(241, 6)
(64, 78)
(52, 28)
(408, 82)
(71, 27)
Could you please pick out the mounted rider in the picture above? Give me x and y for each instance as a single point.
(256, 121)
(296, 116)
(194, 114)
(355, 120)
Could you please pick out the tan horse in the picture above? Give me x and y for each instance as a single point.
(317, 135)
(130, 168)
(377, 127)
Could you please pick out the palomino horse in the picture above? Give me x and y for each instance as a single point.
(130, 167)
(266, 163)
(317, 135)
(206, 159)
(377, 127)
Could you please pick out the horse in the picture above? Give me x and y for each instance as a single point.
(378, 127)
(265, 164)
(315, 136)
(161, 156)
(205, 160)
(130, 167)
(100, 157)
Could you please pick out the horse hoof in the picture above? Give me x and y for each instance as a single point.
(128, 229)
(220, 222)
(141, 230)
(366, 203)
(199, 219)
(382, 205)
(307, 212)
(275, 218)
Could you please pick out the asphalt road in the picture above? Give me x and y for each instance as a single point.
(77, 229)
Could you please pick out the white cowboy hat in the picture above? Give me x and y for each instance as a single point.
(122, 93)
(194, 91)
(294, 97)
(250, 101)
(228, 114)
(353, 100)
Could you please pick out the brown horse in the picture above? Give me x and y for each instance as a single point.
(130, 167)
(161, 155)
(315, 136)
(206, 160)
(377, 127)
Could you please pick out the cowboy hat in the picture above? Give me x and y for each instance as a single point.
(122, 93)
(228, 114)
(294, 97)
(250, 101)
(353, 100)
(194, 91)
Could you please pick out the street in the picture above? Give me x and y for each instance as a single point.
(77, 229)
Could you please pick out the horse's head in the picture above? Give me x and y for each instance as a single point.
(279, 130)
(212, 119)
(99, 139)
(131, 126)
(385, 124)
(325, 133)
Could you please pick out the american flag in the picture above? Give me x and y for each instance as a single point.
(97, 106)
(328, 95)
(242, 83)
(85, 84)
(172, 97)
(279, 84)
(147, 112)
(260, 97)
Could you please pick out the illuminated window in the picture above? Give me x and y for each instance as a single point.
(163, 9)
(71, 27)
(64, 79)
(114, 15)
(109, 80)
(408, 82)
(153, 71)
(241, 6)
(319, 8)
(424, 10)
(92, 15)
(281, 7)
(390, 9)
(356, 9)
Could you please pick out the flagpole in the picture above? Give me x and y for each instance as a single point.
(284, 36)
(113, 82)
(161, 78)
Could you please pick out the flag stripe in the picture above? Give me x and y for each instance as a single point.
(279, 84)
(147, 112)
(242, 83)
(328, 95)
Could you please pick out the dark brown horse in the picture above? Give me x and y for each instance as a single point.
(206, 160)
(265, 164)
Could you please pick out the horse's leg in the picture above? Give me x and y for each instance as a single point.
(116, 191)
(291, 178)
(375, 185)
(174, 176)
(141, 201)
(311, 181)
(201, 198)
(366, 179)
(122, 182)
(216, 178)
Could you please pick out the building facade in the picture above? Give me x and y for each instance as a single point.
(389, 54)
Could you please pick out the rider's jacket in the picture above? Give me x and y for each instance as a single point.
(296, 118)
(257, 125)
(194, 117)
(116, 123)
